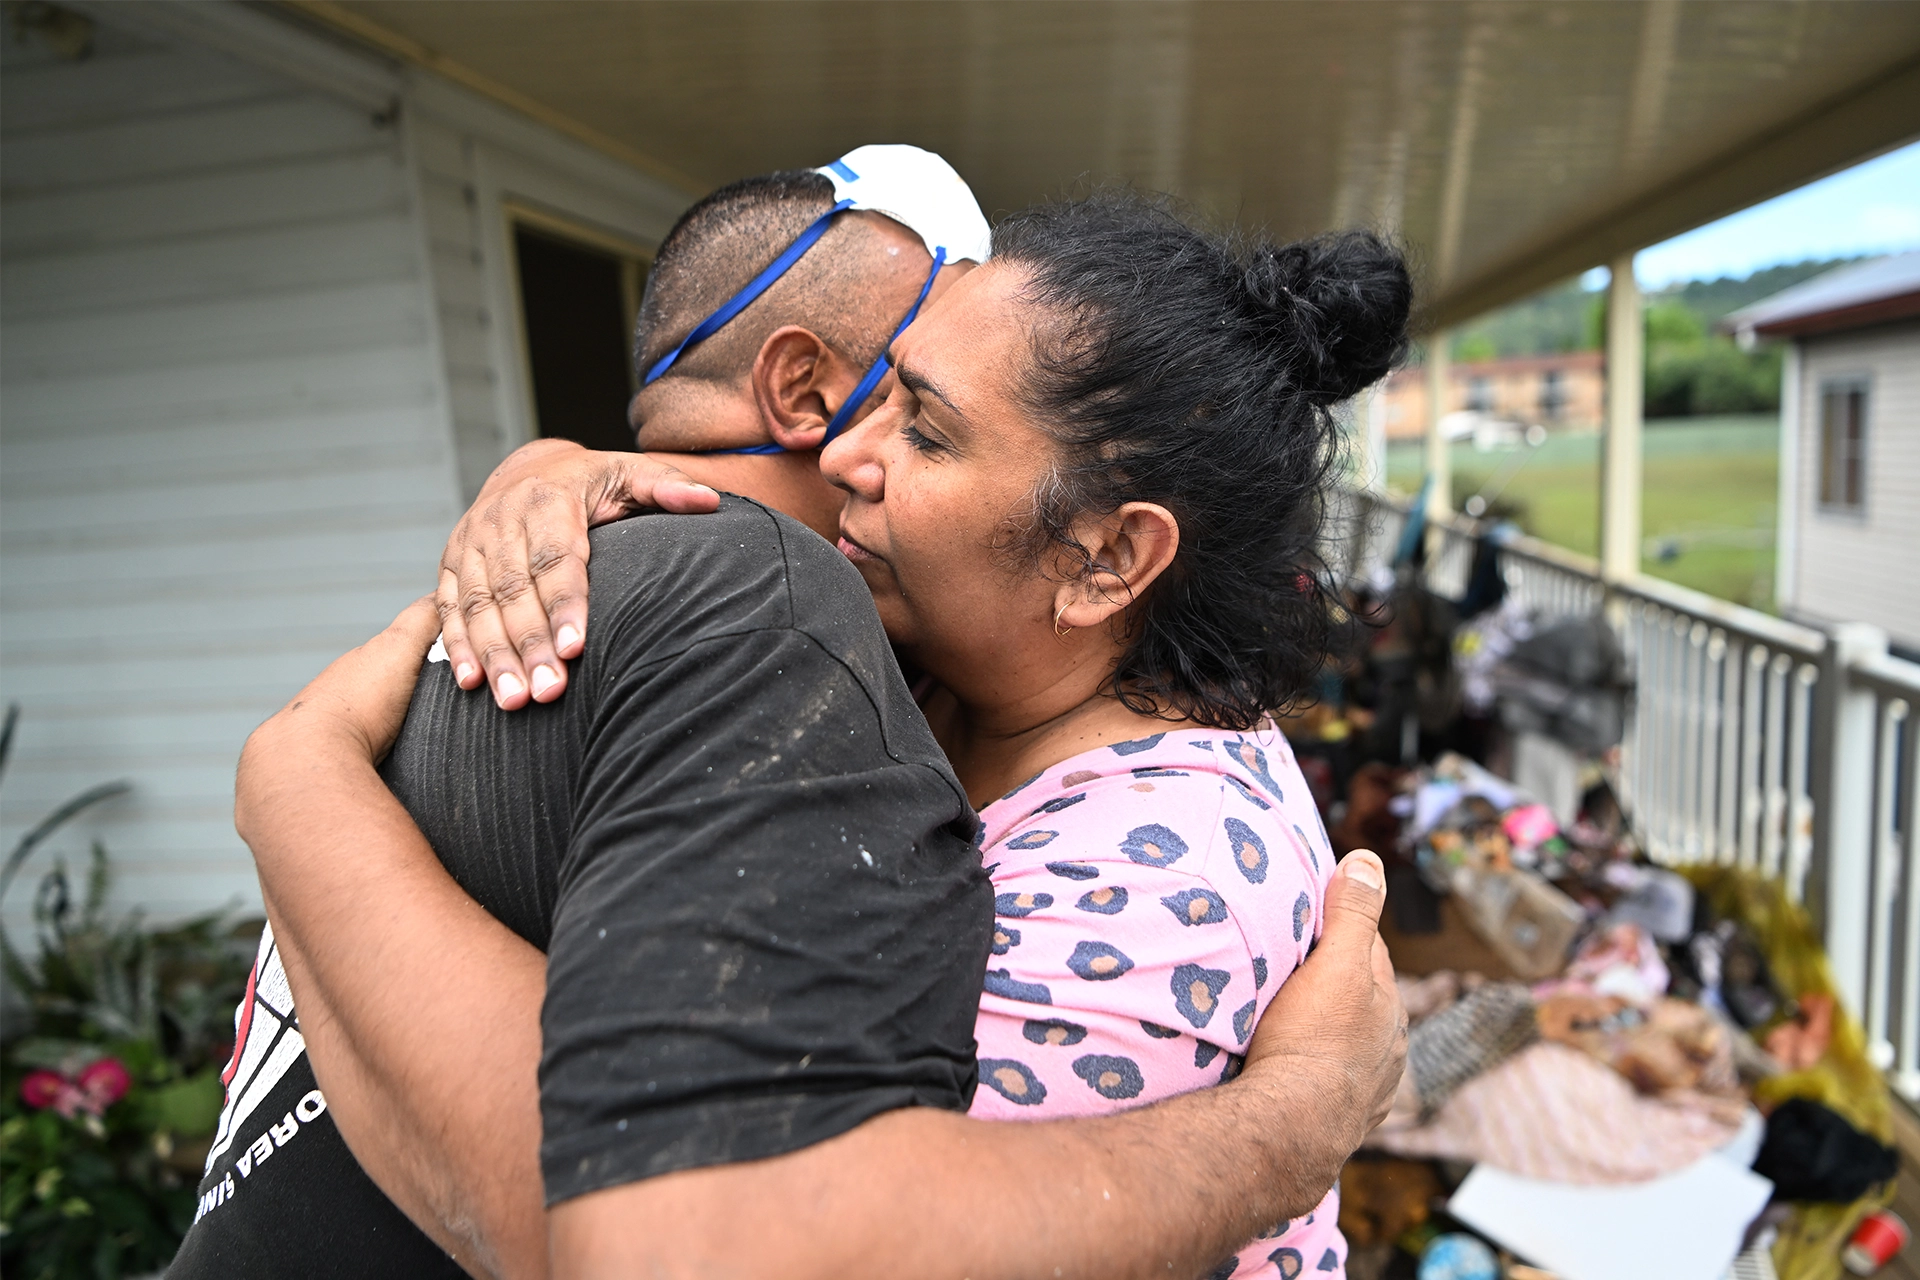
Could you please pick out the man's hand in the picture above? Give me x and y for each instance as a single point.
(513, 579)
(1338, 1018)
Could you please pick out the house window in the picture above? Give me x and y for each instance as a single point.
(1843, 445)
(1480, 395)
(1553, 395)
(579, 296)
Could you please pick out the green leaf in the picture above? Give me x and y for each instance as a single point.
(188, 1108)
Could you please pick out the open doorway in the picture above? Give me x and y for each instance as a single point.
(579, 294)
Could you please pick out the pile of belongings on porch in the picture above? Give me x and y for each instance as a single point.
(1614, 1068)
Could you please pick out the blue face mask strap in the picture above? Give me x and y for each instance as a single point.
(882, 366)
(755, 287)
(878, 370)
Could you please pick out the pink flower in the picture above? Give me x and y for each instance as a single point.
(104, 1083)
(99, 1085)
(42, 1089)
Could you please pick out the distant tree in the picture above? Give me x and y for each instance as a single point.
(1594, 322)
(1567, 317)
(1692, 371)
(1730, 380)
(1548, 323)
(1476, 346)
(1712, 299)
(1673, 323)
(1690, 368)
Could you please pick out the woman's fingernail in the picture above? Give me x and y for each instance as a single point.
(509, 686)
(567, 636)
(462, 674)
(544, 678)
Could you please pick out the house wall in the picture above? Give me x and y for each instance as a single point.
(1860, 568)
(258, 347)
(224, 431)
(1513, 389)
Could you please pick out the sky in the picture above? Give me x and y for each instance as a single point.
(1870, 208)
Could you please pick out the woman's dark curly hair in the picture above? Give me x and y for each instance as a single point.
(1199, 371)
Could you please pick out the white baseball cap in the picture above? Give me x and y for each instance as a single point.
(920, 191)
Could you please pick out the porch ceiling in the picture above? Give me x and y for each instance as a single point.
(1512, 144)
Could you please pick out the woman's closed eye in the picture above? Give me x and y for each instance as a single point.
(919, 440)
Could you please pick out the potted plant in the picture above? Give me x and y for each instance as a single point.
(110, 1070)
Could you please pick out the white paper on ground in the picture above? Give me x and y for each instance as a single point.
(1685, 1226)
(1744, 1147)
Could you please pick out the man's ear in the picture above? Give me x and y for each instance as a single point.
(798, 382)
(1130, 548)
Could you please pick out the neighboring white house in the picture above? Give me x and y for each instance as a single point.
(1849, 521)
(264, 335)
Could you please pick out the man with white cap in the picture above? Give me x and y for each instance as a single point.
(751, 1042)
(736, 395)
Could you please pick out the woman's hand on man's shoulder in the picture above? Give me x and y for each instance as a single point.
(513, 578)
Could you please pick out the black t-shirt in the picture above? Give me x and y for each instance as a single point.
(747, 860)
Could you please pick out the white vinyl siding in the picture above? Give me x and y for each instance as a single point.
(258, 348)
(225, 450)
(1857, 564)
(449, 205)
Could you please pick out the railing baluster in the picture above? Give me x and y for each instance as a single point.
(1752, 786)
(1708, 766)
(1701, 719)
(1673, 693)
(1632, 753)
(1653, 712)
(1694, 676)
(1800, 782)
(1687, 739)
(1724, 740)
(1907, 1077)
(1772, 835)
(1673, 744)
(1660, 703)
(1671, 783)
(1885, 878)
(1890, 717)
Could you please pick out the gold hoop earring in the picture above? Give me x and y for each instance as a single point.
(1056, 623)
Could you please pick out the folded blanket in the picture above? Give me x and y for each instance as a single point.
(1551, 1111)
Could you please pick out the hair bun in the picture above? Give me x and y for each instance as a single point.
(1342, 302)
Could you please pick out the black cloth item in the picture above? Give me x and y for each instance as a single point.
(1486, 583)
(748, 862)
(1569, 681)
(1811, 1153)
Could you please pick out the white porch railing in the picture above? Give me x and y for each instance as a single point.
(1752, 742)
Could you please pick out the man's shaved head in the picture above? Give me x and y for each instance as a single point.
(845, 288)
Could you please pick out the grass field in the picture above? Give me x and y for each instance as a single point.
(1710, 487)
